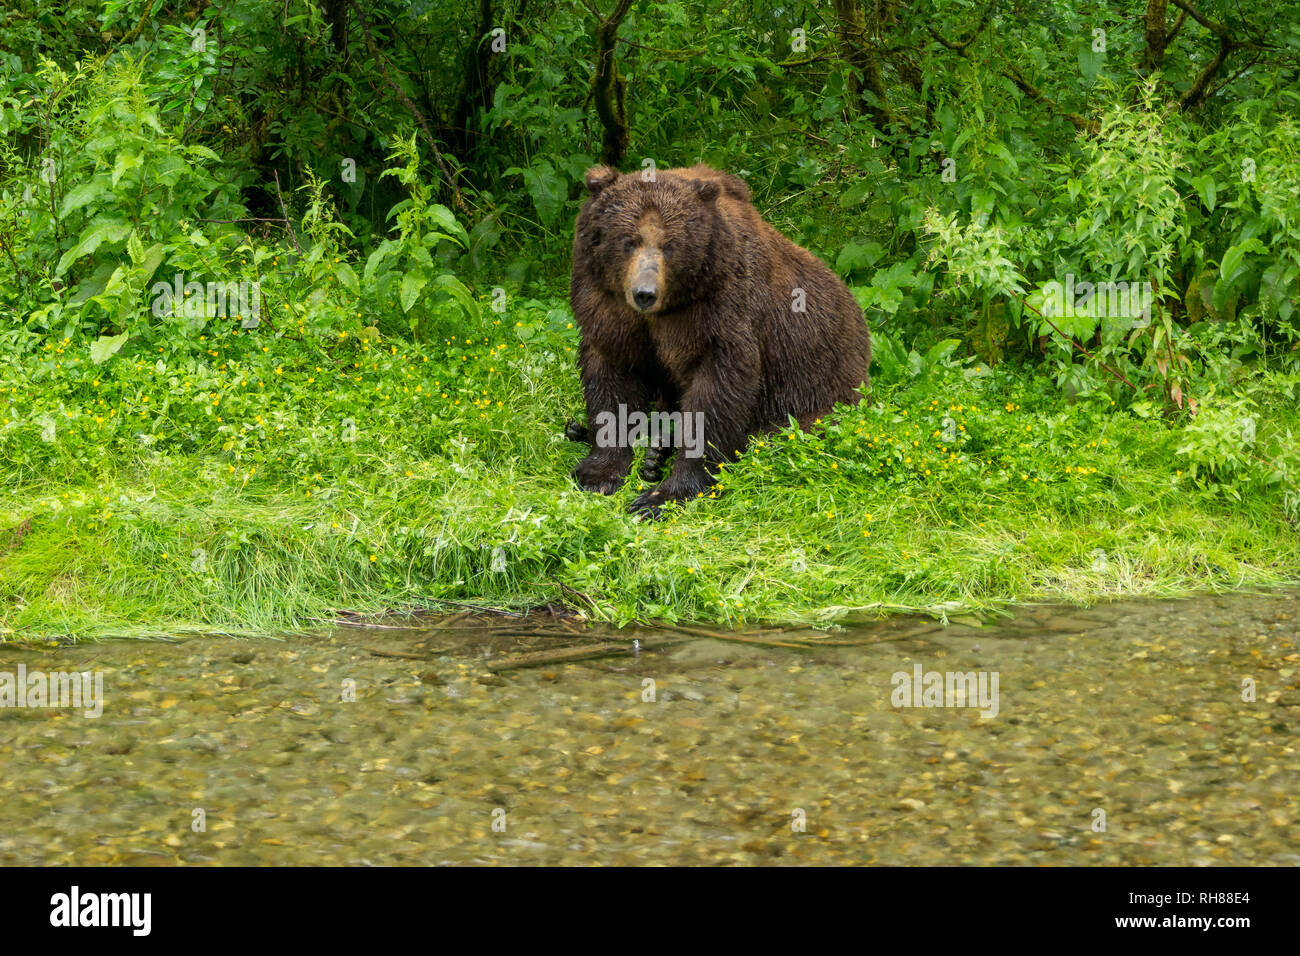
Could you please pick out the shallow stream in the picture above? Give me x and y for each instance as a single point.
(1143, 732)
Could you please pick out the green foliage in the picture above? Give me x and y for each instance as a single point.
(274, 476)
(112, 200)
(1220, 441)
(895, 363)
(404, 267)
(1128, 211)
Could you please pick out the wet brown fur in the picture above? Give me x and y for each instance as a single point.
(720, 336)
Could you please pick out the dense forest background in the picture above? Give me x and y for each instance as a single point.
(396, 182)
(950, 157)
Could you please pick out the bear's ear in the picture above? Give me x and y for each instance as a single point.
(707, 189)
(598, 177)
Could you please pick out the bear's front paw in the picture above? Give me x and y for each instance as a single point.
(601, 475)
(648, 503)
(577, 431)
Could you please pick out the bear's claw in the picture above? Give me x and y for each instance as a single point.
(576, 431)
(648, 504)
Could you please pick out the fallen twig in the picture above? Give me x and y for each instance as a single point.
(478, 607)
(564, 655)
(560, 655)
(406, 656)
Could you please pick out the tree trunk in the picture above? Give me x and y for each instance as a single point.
(1157, 37)
(859, 53)
(336, 15)
(477, 94)
(608, 89)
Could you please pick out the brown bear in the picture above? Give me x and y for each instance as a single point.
(686, 299)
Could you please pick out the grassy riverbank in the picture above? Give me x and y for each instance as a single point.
(258, 481)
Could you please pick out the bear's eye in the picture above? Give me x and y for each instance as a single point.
(629, 246)
(670, 247)
(595, 238)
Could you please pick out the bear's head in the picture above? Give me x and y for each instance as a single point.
(648, 243)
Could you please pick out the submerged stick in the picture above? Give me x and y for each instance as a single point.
(560, 655)
(759, 638)
(582, 652)
(428, 656)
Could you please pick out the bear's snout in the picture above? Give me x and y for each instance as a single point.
(644, 289)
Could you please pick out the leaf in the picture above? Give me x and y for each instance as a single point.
(421, 256)
(204, 153)
(940, 352)
(117, 281)
(94, 234)
(855, 256)
(79, 196)
(92, 285)
(152, 259)
(443, 217)
(855, 193)
(396, 208)
(890, 356)
(1223, 295)
(348, 277)
(1005, 154)
(105, 346)
(889, 300)
(547, 189)
(460, 293)
(412, 283)
(957, 144)
(135, 248)
(1206, 190)
(124, 162)
(1090, 64)
(376, 258)
(1232, 259)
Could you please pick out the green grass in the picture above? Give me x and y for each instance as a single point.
(261, 482)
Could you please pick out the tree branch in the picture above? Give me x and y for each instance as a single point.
(1091, 127)
(961, 45)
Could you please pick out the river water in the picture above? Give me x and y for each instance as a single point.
(1144, 732)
